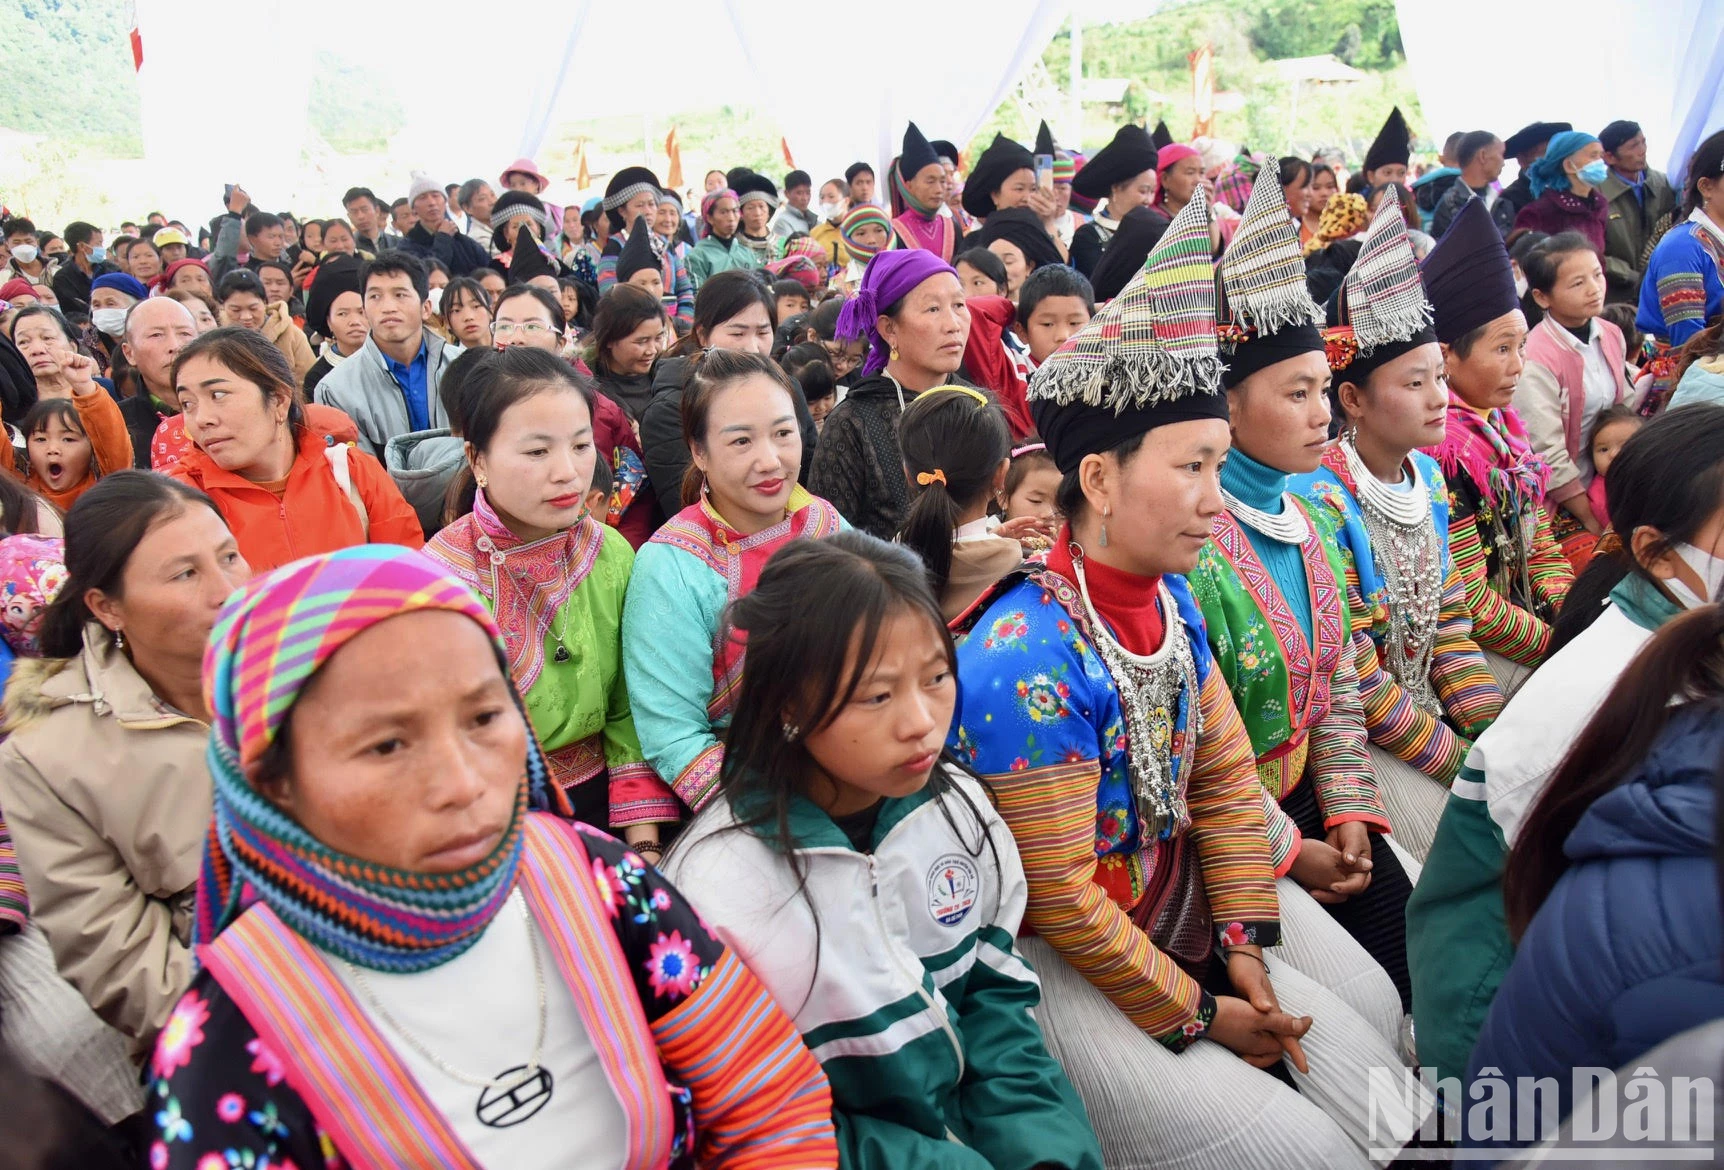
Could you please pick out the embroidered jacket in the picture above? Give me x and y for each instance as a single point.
(1300, 701)
(1469, 695)
(1683, 287)
(1039, 717)
(269, 1060)
(681, 682)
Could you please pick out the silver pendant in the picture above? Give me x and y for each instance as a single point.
(562, 654)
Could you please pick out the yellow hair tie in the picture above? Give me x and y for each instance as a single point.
(927, 477)
(970, 390)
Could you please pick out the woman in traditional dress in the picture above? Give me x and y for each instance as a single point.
(1422, 679)
(1269, 584)
(1683, 288)
(556, 577)
(405, 960)
(1093, 708)
(1123, 173)
(743, 504)
(918, 192)
(1499, 534)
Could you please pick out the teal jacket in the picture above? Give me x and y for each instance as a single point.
(712, 256)
(1458, 946)
(899, 967)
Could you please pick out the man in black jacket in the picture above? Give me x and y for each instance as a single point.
(86, 261)
(156, 331)
(436, 235)
(369, 218)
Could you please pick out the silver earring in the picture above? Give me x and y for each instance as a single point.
(791, 731)
(119, 639)
(1105, 513)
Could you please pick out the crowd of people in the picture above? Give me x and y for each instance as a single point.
(1033, 660)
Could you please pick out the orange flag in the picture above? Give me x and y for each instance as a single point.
(583, 176)
(784, 145)
(1203, 90)
(672, 148)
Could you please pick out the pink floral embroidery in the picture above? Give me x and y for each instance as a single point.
(184, 1031)
(230, 1107)
(671, 966)
(611, 891)
(158, 1156)
(265, 1062)
(212, 1162)
(1233, 935)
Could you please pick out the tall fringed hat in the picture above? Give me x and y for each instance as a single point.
(1393, 144)
(1146, 360)
(1380, 311)
(1264, 314)
(1468, 275)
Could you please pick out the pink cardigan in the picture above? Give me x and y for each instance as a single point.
(1545, 348)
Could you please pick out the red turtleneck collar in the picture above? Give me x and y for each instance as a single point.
(1126, 600)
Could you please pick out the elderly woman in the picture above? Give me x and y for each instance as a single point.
(1565, 190)
(385, 809)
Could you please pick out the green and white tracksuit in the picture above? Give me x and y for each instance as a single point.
(899, 968)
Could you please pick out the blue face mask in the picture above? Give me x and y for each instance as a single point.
(98, 254)
(1593, 173)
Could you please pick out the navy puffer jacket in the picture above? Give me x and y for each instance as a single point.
(1626, 951)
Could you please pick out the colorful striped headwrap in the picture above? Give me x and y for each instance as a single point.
(269, 642)
(859, 217)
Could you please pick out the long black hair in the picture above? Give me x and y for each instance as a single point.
(1682, 665)
(795, 679)
(954, 441)
(103, 529)
(1707, 162)
(1669, 477)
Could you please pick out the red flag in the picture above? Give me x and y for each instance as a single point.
(672, 148)
(784, 145)
(137, 41)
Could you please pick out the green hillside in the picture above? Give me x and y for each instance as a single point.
(68, 73)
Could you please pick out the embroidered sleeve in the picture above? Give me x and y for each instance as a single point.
(1394, 722)
(759, 1097)
(14, 902)
(607, 271)
(1470, 696)
(1226, 804)
(1498, 624)
(1339, 764)
(1682, 301)
(682, 288)
(219, 1095)
(1550, 571)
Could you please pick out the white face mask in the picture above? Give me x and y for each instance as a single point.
(829, 210)
(109, 321)
(25, 253)
(1708, 568)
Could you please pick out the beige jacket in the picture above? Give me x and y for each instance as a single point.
(290, 339)
(108, 799)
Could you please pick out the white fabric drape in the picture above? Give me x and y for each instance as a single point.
(1486, 65)
(916, 72)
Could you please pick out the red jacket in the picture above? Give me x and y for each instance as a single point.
(314, 515)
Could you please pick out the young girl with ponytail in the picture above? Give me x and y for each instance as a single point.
(741, 504)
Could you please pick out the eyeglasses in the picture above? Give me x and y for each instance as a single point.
(529, 328)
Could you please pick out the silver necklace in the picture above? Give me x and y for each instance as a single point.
(1404, 544)
(495, 555)
(1149, 688)
(1288, 528)
(514, 1078)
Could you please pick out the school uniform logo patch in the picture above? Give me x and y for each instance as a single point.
(952, 887)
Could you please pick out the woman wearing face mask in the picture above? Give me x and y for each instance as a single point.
(287, 488)
(1565, 190)
(1270, 587)
(555, 576)
(854, 864)
(743, 504)
(380, 799)
(911, 311)
(733, 310)
(1122, 172)
(1423, 683)
(1098, 718)
(103, 775)
(1666, 490)
(1499, 534)
(112, 295)
(47, 341)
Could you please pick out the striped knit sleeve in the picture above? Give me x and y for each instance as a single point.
(1394, 722)
(1226, 803)
(1051, 812)
(1549, 569)
(1470, 696)
(683, 289)
(1339, 765)
(760, 1098)
(1682, 301)
(607, 272)
(1498, 624)
(14, 901)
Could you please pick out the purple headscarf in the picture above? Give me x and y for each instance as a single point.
(889, 278)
